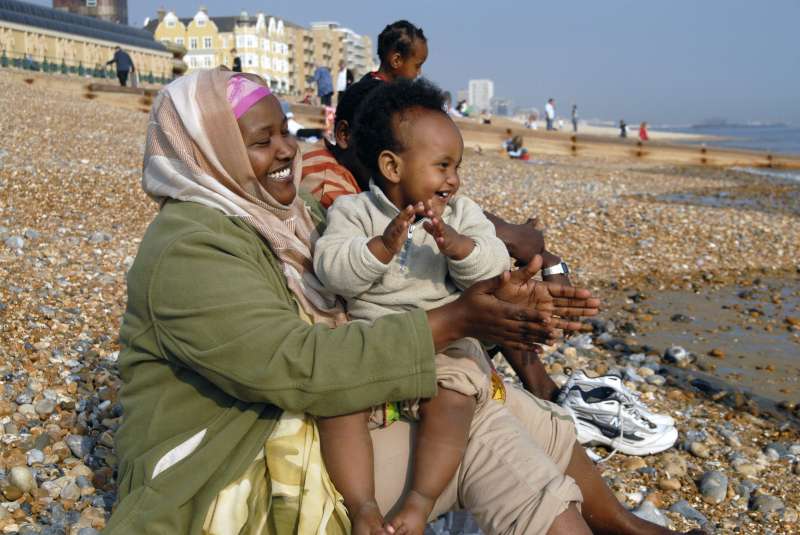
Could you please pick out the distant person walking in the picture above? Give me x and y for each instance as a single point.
(575, 118)
(550, 113)
(643, 131)
(322, 77)
(623, 128)
(124, 65)
(237, 61)
(345, 78)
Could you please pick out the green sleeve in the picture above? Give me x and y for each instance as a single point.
(220, 308)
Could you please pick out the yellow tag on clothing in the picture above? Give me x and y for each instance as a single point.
(498, 387)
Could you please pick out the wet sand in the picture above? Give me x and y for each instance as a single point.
(742, 334)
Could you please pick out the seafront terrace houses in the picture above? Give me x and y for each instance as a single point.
(285, 54)
(261, 42)
(45, 39)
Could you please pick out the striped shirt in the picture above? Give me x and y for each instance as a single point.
(325, 178)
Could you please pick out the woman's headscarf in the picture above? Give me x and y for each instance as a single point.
(195, 152)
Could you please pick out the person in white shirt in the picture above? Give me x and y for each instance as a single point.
(550, 113)
(341, 78)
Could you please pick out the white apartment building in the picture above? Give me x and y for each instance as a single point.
(481, 93)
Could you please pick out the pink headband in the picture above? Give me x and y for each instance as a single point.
(243, 93)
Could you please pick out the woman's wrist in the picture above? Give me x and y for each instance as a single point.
(549, 259)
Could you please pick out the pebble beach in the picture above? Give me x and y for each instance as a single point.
(72, 214)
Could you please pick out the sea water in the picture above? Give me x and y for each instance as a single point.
(775, 139)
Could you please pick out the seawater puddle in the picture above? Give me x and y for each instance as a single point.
(722, 199)
(748, 324)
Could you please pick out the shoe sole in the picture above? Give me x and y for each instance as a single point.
(588, 435)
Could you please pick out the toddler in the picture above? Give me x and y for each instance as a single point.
(410, 241)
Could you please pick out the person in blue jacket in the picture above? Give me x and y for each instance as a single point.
(322, 76)
(124, 65)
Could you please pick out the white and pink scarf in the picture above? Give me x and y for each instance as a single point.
(195, 152)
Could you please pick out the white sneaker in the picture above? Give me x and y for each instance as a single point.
(579, 378)
(602, 417)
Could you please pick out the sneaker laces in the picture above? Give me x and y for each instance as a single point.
(621, 420)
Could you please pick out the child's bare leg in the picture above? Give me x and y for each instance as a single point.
(441, 441)
(347, 452)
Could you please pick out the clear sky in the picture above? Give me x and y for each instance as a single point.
(675, 62)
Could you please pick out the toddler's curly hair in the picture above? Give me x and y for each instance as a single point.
(381, 115)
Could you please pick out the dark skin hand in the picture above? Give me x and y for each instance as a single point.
(536, 312)
(526, 241)
(572, 303)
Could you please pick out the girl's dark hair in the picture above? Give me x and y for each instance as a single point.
(398, 37)
(377, 117)
(352, 98)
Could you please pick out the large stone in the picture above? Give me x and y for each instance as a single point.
(648, 511)
(15, 242)
(675, 465)
(22, 477)
(79, 445)
(634, 463)
(44, 408)
(766, 504)
(699, 449)
(678, 356)
(71, 491)
(714, 487)
(688, 512)
(669, 484)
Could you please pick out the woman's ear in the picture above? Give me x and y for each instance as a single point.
(390, 164)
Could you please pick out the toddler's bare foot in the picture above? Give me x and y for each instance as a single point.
(413, 516)
(367, 520)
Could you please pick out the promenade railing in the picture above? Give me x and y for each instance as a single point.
(53, 65)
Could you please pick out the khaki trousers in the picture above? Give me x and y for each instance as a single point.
(512, 475)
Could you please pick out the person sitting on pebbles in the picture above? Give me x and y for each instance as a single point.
(232, 348)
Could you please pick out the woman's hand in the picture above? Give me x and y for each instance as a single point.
(562, 300)
(479, 313)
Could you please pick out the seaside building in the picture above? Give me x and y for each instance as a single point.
(285, 54)
(261, 41)
(42, 38)
(335, 43)
(110, 10)
(502, 106)
(481, 93)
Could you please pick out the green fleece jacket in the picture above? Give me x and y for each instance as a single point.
(215, 349)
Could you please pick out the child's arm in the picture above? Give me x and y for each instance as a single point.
(342, 260)
(388, 244)
(487, 256)
(347, 260)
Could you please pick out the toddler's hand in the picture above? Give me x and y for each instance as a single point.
(451, 243)
(387, 245)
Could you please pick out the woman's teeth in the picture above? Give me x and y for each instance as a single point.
(443, 194)
(283, 174)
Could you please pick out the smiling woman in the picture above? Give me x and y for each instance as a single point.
(270, 147)
(232, 347)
